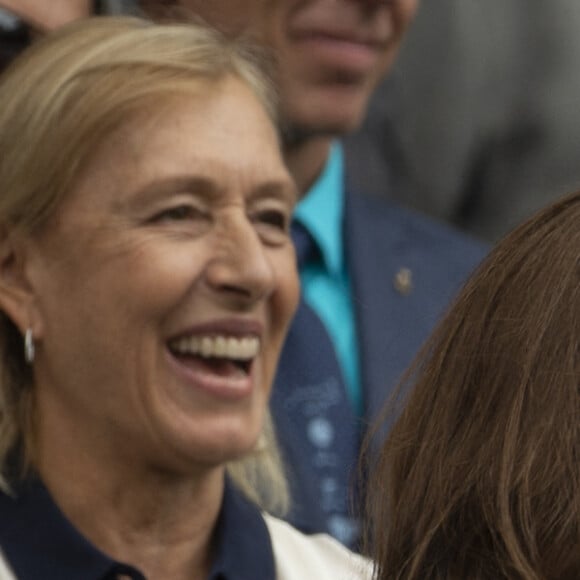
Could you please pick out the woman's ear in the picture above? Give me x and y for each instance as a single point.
(17, 298)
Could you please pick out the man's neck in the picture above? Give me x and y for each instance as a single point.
(306, 160)
(44, 16)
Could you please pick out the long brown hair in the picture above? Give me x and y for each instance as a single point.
(480, 475)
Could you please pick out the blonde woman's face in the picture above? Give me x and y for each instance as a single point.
(165, 285)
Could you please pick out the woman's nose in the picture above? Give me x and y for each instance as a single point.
(241, 268)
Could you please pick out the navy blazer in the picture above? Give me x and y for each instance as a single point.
(381, 240)
(392, 321)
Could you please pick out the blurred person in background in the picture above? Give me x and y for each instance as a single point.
(478, 123)
(23, 20)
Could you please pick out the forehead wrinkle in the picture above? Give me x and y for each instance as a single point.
(282, 190)
(164, 187)
(65, 244)
(219, 181)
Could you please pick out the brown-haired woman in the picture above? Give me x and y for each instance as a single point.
(480, 476)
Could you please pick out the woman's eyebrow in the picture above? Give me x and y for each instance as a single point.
(161, 187)
(284, 190)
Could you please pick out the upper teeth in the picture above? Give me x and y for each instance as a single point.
(244, 348)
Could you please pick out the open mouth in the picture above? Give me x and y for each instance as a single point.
(225, 356)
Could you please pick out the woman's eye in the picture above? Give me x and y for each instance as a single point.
(272, 225)
(275, 218)
(177, 213)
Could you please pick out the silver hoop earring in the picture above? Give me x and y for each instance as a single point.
(29, 346)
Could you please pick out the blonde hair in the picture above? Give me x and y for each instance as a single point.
(58, 101)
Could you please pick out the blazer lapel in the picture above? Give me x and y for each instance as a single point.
(376, 253)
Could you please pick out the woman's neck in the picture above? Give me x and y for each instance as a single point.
(43, 15)
(160, 523)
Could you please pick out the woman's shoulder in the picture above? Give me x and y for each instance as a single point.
(301, 557)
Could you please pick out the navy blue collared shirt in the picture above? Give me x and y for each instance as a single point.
(41, 544)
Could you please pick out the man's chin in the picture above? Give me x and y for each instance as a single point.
(297, 133)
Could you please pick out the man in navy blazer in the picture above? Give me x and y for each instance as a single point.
(405, 269)
(381, 275)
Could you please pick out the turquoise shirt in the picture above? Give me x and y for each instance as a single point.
(326, 284)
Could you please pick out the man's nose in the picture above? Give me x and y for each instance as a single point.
(371, 3)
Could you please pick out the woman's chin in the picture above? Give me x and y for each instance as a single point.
(220, 450)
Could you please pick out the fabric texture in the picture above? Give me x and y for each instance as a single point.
(326, 285)
(312, 392)
(5, 571)
(316, 557)
(37, 542)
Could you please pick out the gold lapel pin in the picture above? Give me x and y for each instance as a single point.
(403, 281)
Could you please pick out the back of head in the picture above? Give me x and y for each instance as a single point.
(58, 102)
(480, 476)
